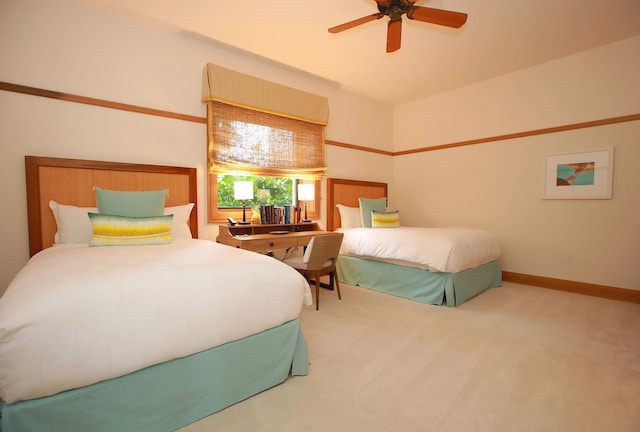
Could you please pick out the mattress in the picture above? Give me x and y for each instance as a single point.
(448, 250)
(76, 315)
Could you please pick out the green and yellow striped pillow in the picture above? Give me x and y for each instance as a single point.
(385, 219)
(111, 230)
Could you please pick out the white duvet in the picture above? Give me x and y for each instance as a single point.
(448, 250)
(76, 315)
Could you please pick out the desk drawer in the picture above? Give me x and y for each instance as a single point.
(270, 243)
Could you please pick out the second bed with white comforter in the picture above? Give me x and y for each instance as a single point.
(449, 250)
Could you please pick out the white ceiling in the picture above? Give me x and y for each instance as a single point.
(500, 36)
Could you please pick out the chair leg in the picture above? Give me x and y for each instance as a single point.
(337, 282)
(317, 292)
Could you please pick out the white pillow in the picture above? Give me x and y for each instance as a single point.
(179, 225)
(74, 225)
(349, 216)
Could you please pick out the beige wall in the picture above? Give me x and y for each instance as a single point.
(71, 47)
(499, 185)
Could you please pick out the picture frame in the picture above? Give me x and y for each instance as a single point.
(580, 175)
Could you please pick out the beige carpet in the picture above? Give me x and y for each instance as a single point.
(515, 358)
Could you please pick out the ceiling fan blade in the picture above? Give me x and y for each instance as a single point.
(357, 22)
(437, 16)
(394, 35)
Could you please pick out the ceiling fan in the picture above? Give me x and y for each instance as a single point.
(394, 9)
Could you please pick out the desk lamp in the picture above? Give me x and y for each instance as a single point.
(243, 190)
(306, 192)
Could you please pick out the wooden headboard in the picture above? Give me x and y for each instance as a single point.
(71, 182)
(347, 192)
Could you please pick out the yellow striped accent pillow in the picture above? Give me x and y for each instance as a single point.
(111, 230)
(385, 219)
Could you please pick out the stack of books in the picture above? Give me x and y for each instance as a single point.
(273, 214)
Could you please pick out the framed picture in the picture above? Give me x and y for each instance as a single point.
(585, 175)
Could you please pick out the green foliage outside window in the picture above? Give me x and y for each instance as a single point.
(266, 190)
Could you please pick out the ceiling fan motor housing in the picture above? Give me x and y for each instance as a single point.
(394, 9)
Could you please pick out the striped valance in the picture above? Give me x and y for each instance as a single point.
(235, 88)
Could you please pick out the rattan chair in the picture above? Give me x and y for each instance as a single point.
(319, 260)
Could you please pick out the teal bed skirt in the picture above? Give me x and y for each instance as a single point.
(424, 286)
(170, 395)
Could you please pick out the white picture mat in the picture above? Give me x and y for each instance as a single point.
(603, 175)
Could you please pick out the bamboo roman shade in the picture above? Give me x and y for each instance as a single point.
(244, 141)
(256, 127)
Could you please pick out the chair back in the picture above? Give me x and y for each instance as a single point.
(323, 248)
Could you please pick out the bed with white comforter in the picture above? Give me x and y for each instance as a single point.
(432, 265)
(77, 315)
(434, 249)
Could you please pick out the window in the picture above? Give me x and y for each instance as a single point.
(274, 152)
(264, 131)
(267, 190)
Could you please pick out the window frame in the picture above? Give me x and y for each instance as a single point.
(217, 214)
(220, 214)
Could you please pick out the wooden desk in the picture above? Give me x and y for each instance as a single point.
(259, 238)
